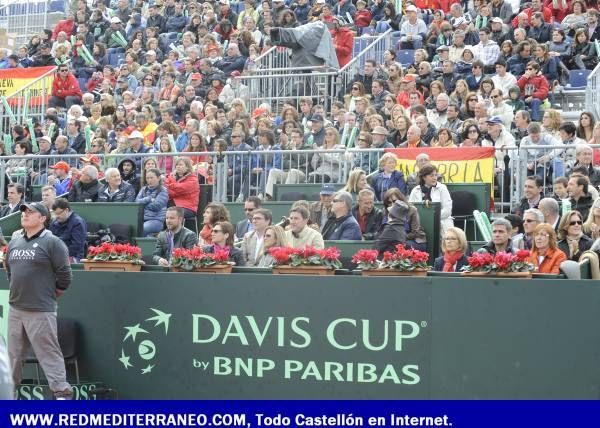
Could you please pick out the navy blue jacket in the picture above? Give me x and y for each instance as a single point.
(343, 229)
(438, 264)
(73, 233)
(382, 184)
(126, 193)
(154, 201)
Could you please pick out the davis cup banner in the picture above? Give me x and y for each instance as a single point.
(456, 165)
(15, 79)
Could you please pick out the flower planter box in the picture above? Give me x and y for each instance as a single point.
(498, 274)
(302, 270)
(392, 272)
(110, 265)
(219, 269)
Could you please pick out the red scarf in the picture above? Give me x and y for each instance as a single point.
(205, 234)
(450, 260)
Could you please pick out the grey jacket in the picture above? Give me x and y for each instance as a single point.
(185, 238)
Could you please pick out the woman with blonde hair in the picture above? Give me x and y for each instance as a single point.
(327, 167)
(591, 227)
(454, 250)
(388, 177)
(546, 256)
(573, 242)
(274, 237)
(356, 182)
(551, 122)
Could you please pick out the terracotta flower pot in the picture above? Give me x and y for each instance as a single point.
(302, 270)
(219, 269)
(498, 274)
(110, 265)
(392, 272)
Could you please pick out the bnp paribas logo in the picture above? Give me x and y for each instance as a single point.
(139, 350)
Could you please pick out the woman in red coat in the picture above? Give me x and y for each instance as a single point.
(545, 255)
(65, 89)
(183, 187)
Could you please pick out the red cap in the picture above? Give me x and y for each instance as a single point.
(258, 112)
(61, 165)
(235, 73)
(196, 76)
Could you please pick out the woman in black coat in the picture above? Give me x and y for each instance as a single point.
(454, 251)
(222, 239)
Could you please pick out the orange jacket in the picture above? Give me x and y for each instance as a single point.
(551, 262)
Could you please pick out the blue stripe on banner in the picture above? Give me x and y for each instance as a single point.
(249, 414)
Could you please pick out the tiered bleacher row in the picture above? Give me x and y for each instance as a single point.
(156, 104)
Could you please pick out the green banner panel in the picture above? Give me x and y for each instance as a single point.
(253, 336)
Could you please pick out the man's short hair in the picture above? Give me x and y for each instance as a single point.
(539, 216)
(255, 200)
(61, 203)
(561, 180)
(582, 147)
(580, 170)
(372, 62)
(267, 214)
(502, 222)
(49, 188)
(302, 211)
(568, 127)
(550, 205)
(90, 170)
(582, 181)
(177, 210)
(534, 128)
(537, 180)
(18, 187)
(364, 193)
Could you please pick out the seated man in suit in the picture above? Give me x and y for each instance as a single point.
(175, 236)
(253, 240)
(14, 196)
(245, 226)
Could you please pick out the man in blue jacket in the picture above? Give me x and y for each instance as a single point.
(70, 228)
(342, 226)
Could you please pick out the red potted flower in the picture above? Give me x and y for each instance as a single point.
(305, 261)
(197, 260)
(111, 256)
(501, 264)
(400, 262)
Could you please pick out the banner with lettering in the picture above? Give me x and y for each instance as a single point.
(456, 165)
(14, 79)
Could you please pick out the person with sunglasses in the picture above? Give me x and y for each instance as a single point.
(222, 239)
(534, 87)
(573, 242)
(65, 89)
(532, 218)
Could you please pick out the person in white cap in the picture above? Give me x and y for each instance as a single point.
(413, 30)
(116, 28)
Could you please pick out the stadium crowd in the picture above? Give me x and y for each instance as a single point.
(166, 77)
